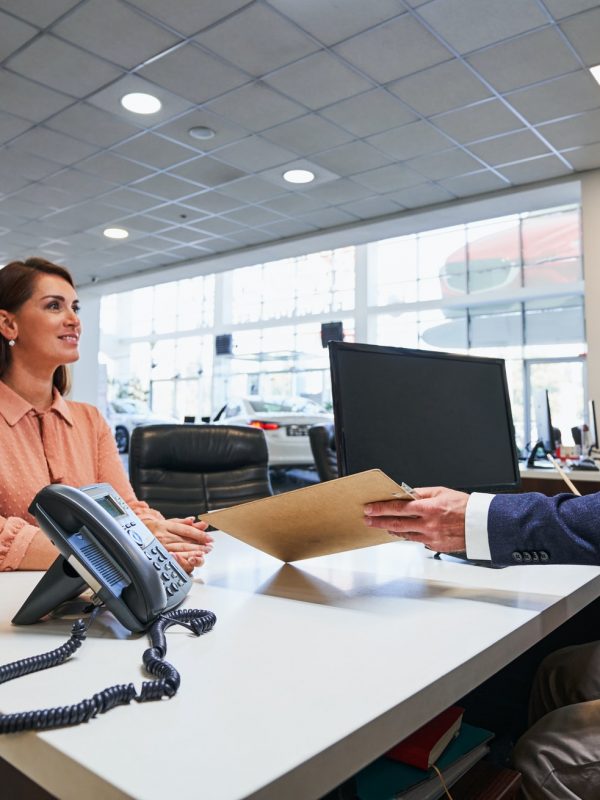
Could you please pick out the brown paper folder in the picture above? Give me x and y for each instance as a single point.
(314, 521)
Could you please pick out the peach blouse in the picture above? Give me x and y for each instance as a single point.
(69, 443)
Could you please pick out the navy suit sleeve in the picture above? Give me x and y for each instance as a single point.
(533, 528)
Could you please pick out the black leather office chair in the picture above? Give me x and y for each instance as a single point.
(188, 469)
(322, 444)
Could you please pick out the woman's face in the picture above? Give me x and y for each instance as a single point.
(47, 325)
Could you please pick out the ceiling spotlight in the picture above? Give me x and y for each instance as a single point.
(201, 132)
(115, 233)
(298, 176)
(141, 103)
(596, 72)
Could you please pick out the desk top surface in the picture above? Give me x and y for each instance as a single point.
(311, 671)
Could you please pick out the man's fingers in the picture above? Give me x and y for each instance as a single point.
(384, 508)
(397, 525)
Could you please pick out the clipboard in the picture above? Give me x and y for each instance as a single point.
(313, 521)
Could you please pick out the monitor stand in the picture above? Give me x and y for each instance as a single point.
(539, 445)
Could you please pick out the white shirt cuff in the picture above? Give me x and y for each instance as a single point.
(476, 530)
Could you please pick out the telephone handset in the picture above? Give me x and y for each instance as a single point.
(103, 545)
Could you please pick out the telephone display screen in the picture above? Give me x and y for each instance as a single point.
(108, 504)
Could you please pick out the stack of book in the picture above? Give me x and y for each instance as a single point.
(406, 772)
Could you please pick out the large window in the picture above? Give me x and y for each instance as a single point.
(510, 287)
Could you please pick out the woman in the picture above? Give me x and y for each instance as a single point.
(47, 439)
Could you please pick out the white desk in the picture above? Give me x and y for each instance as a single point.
(311, 672)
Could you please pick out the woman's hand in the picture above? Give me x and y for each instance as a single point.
(437, 518)
(185, 539)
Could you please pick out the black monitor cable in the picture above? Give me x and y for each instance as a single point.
(166, 682)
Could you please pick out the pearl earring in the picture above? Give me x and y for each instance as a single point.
(11, 342)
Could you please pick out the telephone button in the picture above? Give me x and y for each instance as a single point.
(137, 538)
(156, 566)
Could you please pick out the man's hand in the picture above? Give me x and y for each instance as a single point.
(437, 518)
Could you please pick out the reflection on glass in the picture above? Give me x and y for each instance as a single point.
(564, 381)
(552, 248)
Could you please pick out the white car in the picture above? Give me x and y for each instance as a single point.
(126, 414)
(285, 421)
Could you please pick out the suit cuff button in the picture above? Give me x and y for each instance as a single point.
(544, 556)
(526, 557)
(516, 556)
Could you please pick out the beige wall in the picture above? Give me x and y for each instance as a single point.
(590, 202)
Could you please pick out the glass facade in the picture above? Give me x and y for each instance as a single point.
(510, 287)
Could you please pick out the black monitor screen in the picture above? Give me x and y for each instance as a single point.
(426, 418)
(543, 420)
(593, 426)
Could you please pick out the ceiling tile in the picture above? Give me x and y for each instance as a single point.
(256, 107)
(328, 217)
(251, 190)
(154, 150)
(527, 59)
(341, 191)
(254, 154)
(109, 99)
(468, 25)
(579, 130)
(78, 184)
(318, 80)
(61, 66)
(582, 31)
(254, 216)
(440, 88)
(217, 226)
(193, 74)
(410, 140)
(91, 125)
(370, 112)
(21, 208)
(140, 223)
(422, 195)
(557, 98)
(536, 169)
(258, 40)
(510, 147)
(176, 213)
(27, 99)
(394, 49)
(485, 119)
(11, 126)
(112, 30)
(351, 158)
(247, 237)
(113, 168)
(294, 203)
(330, 21)
(225, 130)
(564, 8)
(587, 157)
(308, 134)
(372, 207)
(208, 172)
(55, 146)
(444, 165)
(13, 34)
(45, 195)
(475, 183)
(39, 12)
(290, 227)
(387, 179)
(25, 164)
(129, 200)
(213, 202)
(166, 186)
(189, 17)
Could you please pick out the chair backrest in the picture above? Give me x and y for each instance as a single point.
(322, 444)
(188, 469)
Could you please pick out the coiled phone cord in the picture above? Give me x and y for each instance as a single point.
(166, 685)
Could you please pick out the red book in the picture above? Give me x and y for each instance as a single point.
(423, 747)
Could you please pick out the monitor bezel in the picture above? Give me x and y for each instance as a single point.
(336, 347)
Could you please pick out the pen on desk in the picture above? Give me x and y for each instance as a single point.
(563, 474)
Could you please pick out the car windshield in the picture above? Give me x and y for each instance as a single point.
(299, 405)
(129, 407)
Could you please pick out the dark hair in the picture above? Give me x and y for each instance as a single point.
(17, 284)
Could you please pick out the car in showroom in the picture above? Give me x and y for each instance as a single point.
(125, 414)
(285, 421)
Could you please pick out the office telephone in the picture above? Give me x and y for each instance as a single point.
(105, 547)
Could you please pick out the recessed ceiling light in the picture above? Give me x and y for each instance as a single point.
(298, 176)
(115, 233)
(141, 103)
(596, 72)
(201, 132)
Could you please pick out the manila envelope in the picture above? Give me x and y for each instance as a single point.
(313, 521)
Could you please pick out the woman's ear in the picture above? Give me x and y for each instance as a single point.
(8, 325)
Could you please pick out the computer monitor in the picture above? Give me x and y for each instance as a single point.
(543, 420)
(593, 426)
(423, 417)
